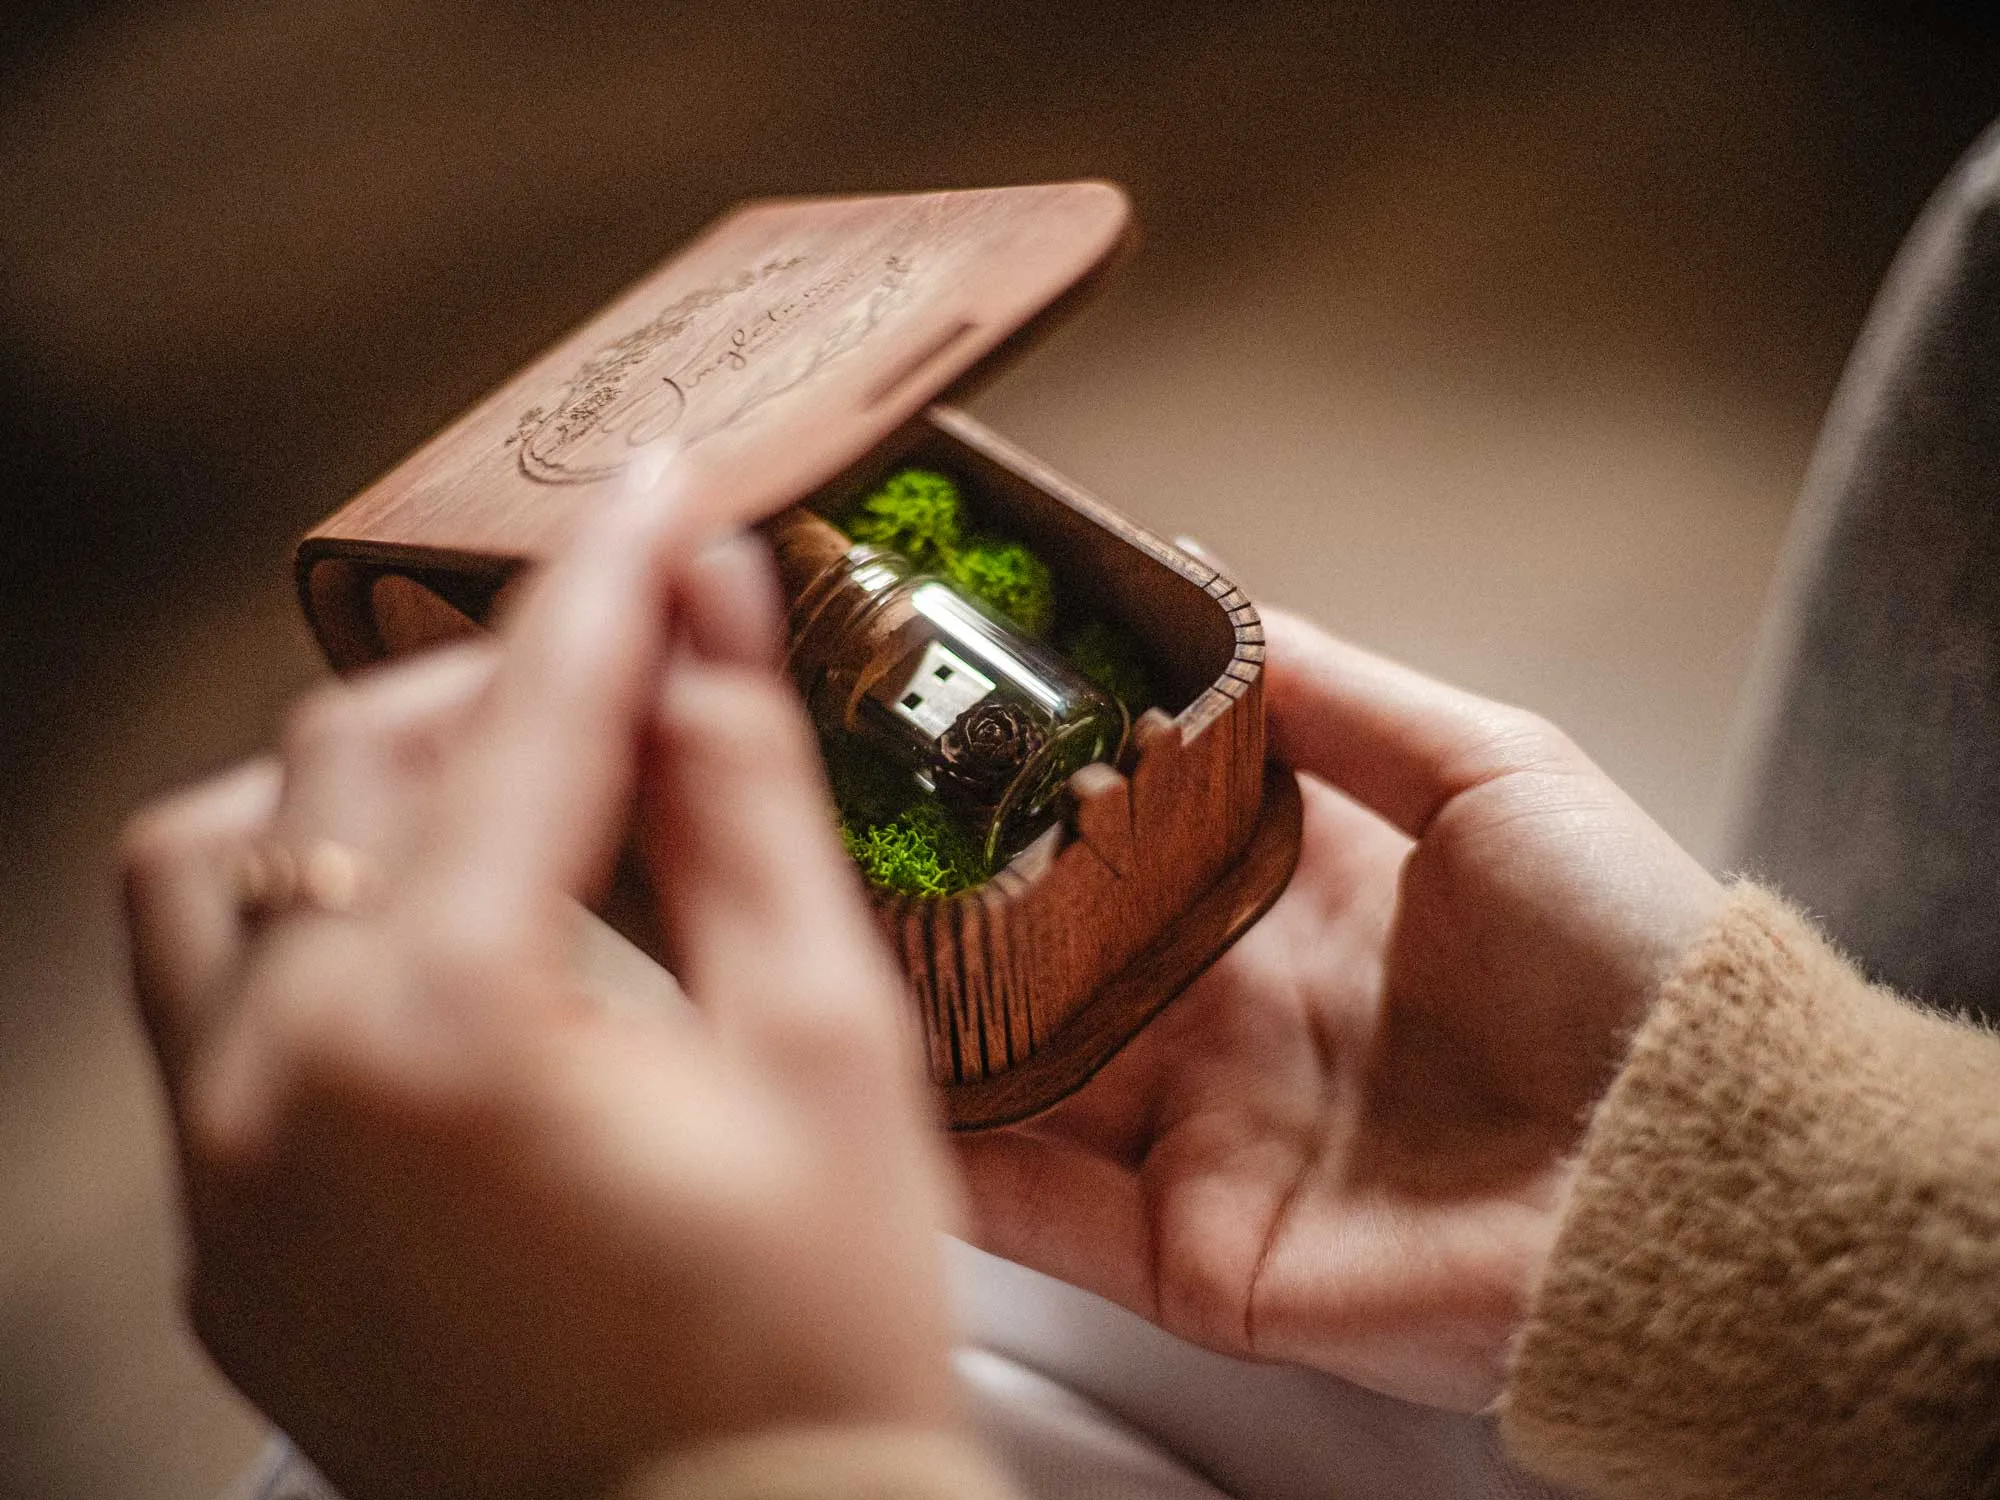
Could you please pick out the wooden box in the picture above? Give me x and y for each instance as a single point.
(795, 352)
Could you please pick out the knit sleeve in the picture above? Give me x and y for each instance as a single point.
(1778, 1274)
(832, 1463)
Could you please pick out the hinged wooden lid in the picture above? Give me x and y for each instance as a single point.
(768, 356)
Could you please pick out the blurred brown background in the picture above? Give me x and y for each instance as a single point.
(1494, 336)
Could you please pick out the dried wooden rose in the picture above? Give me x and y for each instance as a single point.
(982, 752)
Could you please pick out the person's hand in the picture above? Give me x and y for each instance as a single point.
(1345, 1146)
(459, 1225)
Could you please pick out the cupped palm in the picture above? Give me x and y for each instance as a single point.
(1346, 1145)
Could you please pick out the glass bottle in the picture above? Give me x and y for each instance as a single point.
(989, 719)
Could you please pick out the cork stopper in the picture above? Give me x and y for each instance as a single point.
(804, 547)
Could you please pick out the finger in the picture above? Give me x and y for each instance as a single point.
(352, 750)
(182, 905)
(728, 606)
(1400, 743)
(538, 785)
(425, 690)
(761, 906)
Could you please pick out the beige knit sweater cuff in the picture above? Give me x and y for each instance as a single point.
(1779, 1271)
(828, 1463)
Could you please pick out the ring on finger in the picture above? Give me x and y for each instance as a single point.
(327, 876)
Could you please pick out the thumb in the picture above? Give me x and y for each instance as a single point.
(761, 907)
(1400, 743)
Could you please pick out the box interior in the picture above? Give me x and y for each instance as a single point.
(1188, 637)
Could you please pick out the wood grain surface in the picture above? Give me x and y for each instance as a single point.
(762, 360)
(1002, 970)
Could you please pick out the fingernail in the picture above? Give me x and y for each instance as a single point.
(650, 488)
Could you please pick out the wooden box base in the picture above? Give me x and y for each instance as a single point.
(1030, 982)
(1125, 1002)
(789, 355)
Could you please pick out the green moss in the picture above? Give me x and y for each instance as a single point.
(1111, 656)
(901, 836)
(920, 852)
(916, 513)
(921, 515)
(1007, 577)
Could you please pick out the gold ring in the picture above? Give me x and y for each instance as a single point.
(329, 877)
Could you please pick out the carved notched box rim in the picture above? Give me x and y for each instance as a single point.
(812, 370)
